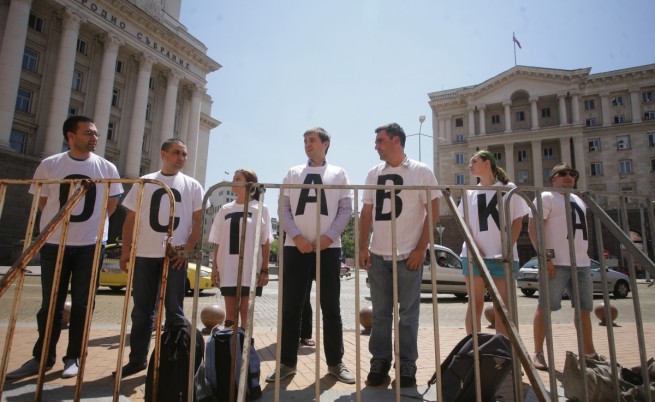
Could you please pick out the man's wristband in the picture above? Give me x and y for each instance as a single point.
(264, 271)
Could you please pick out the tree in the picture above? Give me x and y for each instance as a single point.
(348, 239)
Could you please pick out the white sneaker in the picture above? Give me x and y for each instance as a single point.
(71, 367)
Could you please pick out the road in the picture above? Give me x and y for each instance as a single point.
(451, 311)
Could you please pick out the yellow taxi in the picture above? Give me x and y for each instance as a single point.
(112, 276)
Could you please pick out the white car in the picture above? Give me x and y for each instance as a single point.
(617, 283)
(450, 279)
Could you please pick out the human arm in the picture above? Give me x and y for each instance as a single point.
(417, 255)
(128, 231)
(262, 280)
(344, 212)
(532, 231)
(196, 223)
(112, 203)
(216, 279)
(303, 245)
(365, 223)
(42, 202)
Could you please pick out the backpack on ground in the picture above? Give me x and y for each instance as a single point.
(458, 372)
(218, 361)
(174, 366)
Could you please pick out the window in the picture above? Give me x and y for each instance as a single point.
(119, 66)
(520, 116)
(648, 96)
(17, 141)
(115, 96)
(547, 173)
(23, 100)
(30, 60)
(548, 153)
(545, 112)
(590, 122)
(499, 157)
(148, 112)
(459, 179)
(596, 168)
(652, 165)
(619, 119)
(649, 116)
(459, 138)
(459, 122)
(522, 155)
(625, 166)
(81, 46)
(459, 158)
(589, 104)
(35, 23)
(617, 100)
(522, 176)
(146, 142)
(77, 80)
(111, 131)
(142, 171)
(651, 139)
(623, 142)
(72, 111)
(151, 83)
(495, 119)
(628, 189)
(594, 145)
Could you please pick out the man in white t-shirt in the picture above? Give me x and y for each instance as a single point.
(412, 237)
(301, 246)
(558, 266)
(79, 162)
(151, 250)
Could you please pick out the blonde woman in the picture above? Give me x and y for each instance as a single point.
(225, 233)
(484, 224)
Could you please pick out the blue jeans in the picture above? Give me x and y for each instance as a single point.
(299, 269)
(146, 285)
(380, 277)
(76, 268)
(563, 282)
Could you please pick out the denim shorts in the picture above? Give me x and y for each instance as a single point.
(563, 282)
(496, 269)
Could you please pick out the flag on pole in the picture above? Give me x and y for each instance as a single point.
(516, 41)
(227, 173)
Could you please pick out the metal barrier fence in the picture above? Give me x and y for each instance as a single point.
(507, 309)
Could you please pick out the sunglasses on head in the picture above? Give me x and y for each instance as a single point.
(566, 173)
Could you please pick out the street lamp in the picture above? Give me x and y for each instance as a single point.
(421, 119)
(440, 229)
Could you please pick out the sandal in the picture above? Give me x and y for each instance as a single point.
(307, 342)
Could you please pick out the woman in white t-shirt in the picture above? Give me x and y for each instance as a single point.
(225, 233)
(483, 219)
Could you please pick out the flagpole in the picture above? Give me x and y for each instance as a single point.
(514, 42)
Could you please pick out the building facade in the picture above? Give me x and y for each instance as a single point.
(532, 118)
(129, 65)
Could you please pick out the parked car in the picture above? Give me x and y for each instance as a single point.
(450, 279)
(617, 283)
(112, 276)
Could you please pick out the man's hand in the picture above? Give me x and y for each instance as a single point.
(303, 245)
(324, 241)
(550, 268)
(216, 280)
(125, 257)
(262, 279)
(415, 259)
(364, 258)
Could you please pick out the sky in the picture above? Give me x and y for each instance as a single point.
(350, 66)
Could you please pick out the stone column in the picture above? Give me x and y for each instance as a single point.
(184, 120)
(580, 159)
(471, 121)
(11, 58)
(605, 109)
(192, 134)
(105, 89)
(137, 124)
(537, 165)
(563, 120)
(61, 83)
(575, 108)
(565, 150)
(509, 161)
(534, 113)
(635, 104)
(168, 119)
(508, 118)
(483, 123)
(449, 128)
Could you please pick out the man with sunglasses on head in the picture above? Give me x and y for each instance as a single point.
(558, 266)
(79, 162)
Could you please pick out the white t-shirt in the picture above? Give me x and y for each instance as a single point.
(303, 201)
(155, 210)
(555, 228)
(85, 216)
(226, 233)
(484, 219)
(410, 205)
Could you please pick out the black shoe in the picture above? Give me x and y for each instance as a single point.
(379, 372)
(407, 381)
(132, 368)
(407, 374)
